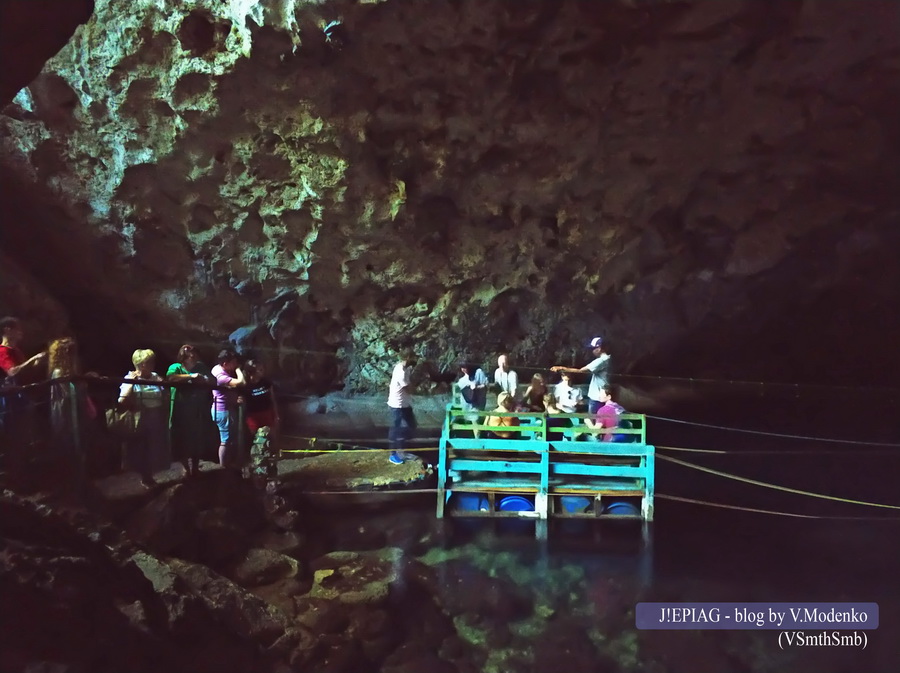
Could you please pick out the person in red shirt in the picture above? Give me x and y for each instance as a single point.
(12, 359)
(16, 413)
(259, 398)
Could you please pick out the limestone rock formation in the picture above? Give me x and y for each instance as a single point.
(343, 179)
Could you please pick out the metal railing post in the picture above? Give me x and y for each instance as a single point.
(77, 445)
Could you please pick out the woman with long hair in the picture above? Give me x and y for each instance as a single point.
(71, 409)
(533, 400)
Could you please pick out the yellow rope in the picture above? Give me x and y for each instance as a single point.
(776, 487)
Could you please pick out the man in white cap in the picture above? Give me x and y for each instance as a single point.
(599, 369)
(505, 378)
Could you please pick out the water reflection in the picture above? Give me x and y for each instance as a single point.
(487, 598)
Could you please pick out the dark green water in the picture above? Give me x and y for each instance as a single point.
(569, 604)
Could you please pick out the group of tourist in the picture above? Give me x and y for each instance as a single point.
(474, 386)
(169, 422)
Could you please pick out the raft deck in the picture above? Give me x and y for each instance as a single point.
(554, 457)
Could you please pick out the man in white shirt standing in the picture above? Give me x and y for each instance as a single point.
(403, 421)
(506, 380)
(599, 369)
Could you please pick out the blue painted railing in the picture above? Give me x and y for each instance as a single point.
(546, 462)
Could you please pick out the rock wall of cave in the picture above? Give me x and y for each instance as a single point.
(339, 180)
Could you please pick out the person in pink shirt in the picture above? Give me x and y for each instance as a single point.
(225, 403)
(607, 415)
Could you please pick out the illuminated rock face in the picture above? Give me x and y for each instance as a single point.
(354, 178)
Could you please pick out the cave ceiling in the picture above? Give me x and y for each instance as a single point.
(711, 185)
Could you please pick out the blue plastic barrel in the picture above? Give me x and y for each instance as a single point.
(621, 508)
(470, 502)
(575, 504)
(515, 503)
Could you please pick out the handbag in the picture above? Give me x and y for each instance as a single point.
(123, 423)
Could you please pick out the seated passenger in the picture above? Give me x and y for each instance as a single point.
(506, 379)
(608, 417)
(533, 400)
(568, 398)
(473, 387)
(552, 423)
(505, 403)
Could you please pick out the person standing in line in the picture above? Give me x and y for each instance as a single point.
(147, 451)
(599, 369)
(228, 375)
(16, 413)
(189, 419)
(12, 359)
(262, 409)
(506, 380)
(63, 362)
(403, 420)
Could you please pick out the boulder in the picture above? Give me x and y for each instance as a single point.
(356, 577)
(239, 611)
(263, 566)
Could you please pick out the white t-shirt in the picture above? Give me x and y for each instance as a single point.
(508, 381)
(599, 369)
(398, 393)
(567, 397)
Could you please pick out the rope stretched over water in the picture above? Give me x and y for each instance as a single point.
(775, 434)
(756, 510)
(776, 487)
(662, 496)
(779, 452)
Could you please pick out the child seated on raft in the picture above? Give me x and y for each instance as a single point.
(553, 423)
(505, 404)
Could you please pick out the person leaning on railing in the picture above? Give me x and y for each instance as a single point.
(16, 413)
(147, 451)
(189, 418)
(225, 404)
(68, 399)
(12, 359)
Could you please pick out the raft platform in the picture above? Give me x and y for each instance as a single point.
(555, 463)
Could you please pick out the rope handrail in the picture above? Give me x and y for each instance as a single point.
(778, 452)
(693, 501)
(215, 345)
(777, 487)
(112, 380)
(774, 434)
